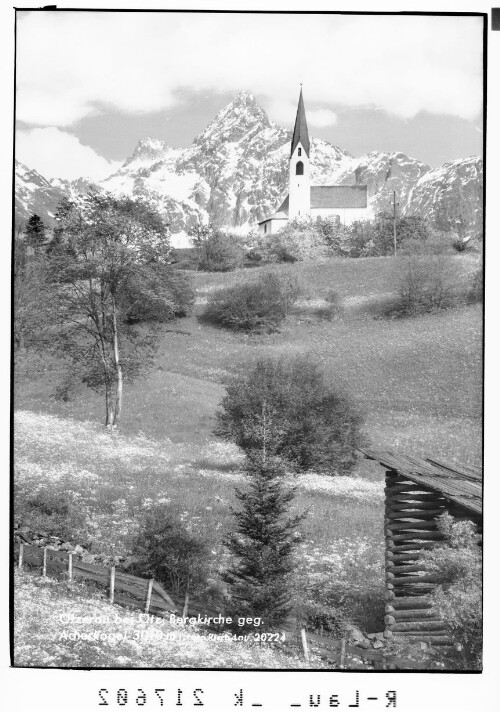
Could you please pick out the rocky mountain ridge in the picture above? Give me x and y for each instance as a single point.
(236, 172)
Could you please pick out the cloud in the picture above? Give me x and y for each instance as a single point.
(70, 65)
(321, 117)
(47, 151)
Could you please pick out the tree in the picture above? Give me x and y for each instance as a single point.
(260, 576)
(114, 274)
(35, 231)
(283, 407)
(33, 312)
(216, 250)
(165, 550)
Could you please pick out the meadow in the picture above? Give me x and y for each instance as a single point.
(418, 383)
(55, 626)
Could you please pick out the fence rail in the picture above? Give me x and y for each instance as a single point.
(149, 596)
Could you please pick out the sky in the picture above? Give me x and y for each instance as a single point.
(91, 85)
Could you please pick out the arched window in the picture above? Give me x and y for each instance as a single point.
(299, 152)
(299, 169)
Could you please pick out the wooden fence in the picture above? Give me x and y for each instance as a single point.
(123, 589)
(148, 596)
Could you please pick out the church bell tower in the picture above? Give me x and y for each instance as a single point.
(300, 183)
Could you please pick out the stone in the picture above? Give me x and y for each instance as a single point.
(355, 634)
(363, 644)
(67, 546)
(78, 549)
(24, 529)
(378, 644)
(380, 636)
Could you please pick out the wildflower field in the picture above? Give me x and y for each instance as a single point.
(67, 625)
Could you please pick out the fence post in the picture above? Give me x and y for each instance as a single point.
(112, 584)
(148, 596)
(186, 605)
(44, 565)
(304, 644)
(70, 567)
(342, 653)
(21, 553)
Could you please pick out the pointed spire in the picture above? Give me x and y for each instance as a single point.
(300, 132)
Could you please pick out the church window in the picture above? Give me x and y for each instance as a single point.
(299, 169)
(299, 152)
(265, 229)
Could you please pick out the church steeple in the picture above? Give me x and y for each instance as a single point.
(299, 205)
(300, 132)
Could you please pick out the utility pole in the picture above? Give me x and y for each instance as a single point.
(394, 220)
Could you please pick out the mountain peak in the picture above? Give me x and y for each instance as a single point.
(236, 119)
(149, 149)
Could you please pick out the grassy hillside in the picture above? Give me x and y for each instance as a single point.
(418, 381)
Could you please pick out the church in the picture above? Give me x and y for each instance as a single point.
(346, 203)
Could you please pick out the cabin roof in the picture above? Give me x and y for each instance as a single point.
(462, 485)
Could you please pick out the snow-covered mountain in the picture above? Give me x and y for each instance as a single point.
(34, 194)
(451, 196)
(236, 172)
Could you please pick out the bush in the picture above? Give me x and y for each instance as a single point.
(216, 250)
(300, 239)
(259, 305)
(459, 596)
(476, 289)
(166, 551)
(375, 238)
(284, 406)
(333, 308)
(424, 285)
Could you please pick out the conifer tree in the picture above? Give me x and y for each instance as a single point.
(260, 576)
(35, 231)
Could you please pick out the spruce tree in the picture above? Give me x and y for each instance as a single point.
(260, 575)
(35, 231)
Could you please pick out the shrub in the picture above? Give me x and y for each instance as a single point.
(261, 571)
(333, 308)
(260, 304)
(424, 284)
(284, 406)
(375, 238)
(475, 293)
(459, 596)
(300, 239)
(215, 249)
(165, 550)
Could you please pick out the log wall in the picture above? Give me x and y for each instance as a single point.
(411, 527)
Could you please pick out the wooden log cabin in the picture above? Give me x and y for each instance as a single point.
(416, 493)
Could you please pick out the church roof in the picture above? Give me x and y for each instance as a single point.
(300, 132)
(338, 196)
(328, 196)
